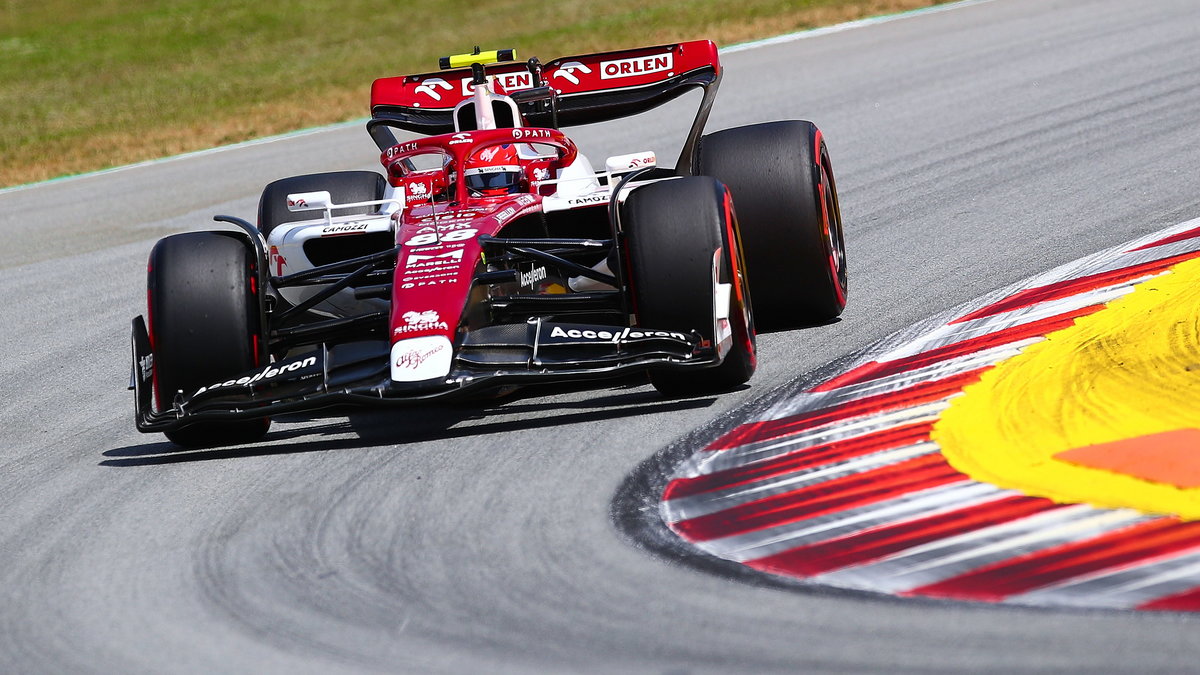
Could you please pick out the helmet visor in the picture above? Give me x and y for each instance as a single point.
(493, 178)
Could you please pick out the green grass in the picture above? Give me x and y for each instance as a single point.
(89, 85)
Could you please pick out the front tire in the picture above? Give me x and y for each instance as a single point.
(204, 324)
(682, 241)
(782, 182)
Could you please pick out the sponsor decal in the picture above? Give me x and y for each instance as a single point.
(517, 207)
(460, 138)
(631, 161)
(614, 336)
(590, 199)
(446, 225)
(512, 213)
(442, 224)
(541, 173)
(443, 275)
(641, 65)
(487, 154)
(399, 148)
(454, 216)
(528, 279)
(416, 192)
(447, 259)
(438, 271)
(430, 276)
(270, 372)
(425, 282)
(146, 364)
(524, 200)
(427, 316)
(413, 358)
(278, 262)
(510, 82)
(421, 321)
(568, 69)
(308, 201)
(515, 81)
(495, 168)
(430, 86)
(344, 228)
(430, 238)
(421, 358)
(520, 134)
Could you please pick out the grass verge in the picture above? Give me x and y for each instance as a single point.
(87, 86)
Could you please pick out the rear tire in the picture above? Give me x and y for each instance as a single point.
(344, 187)
(782, 182)
(204, 318)
(674, 229)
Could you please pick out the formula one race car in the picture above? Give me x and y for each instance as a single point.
(490, 253)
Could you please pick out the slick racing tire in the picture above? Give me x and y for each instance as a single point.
(787, 204)
(344, 187)
(204, 321)
(682, 241)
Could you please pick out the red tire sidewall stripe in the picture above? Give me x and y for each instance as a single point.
(826, 220)
(745, 329)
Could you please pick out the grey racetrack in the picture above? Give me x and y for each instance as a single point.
(973, 147)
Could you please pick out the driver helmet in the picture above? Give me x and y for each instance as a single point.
(493, 171)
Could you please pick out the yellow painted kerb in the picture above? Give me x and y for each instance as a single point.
(1125, 372)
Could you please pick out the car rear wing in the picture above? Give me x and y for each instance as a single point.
(568, 91)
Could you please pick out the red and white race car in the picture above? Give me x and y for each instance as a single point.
(491, 253)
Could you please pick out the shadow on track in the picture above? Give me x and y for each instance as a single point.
(526, 409)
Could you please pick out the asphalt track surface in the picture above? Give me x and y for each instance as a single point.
(973, 147)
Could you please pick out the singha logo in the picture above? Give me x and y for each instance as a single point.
(417, 318)
(420, 322)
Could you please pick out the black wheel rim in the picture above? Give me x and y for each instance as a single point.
(835, 237)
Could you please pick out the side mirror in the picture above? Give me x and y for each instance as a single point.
(309, 201)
